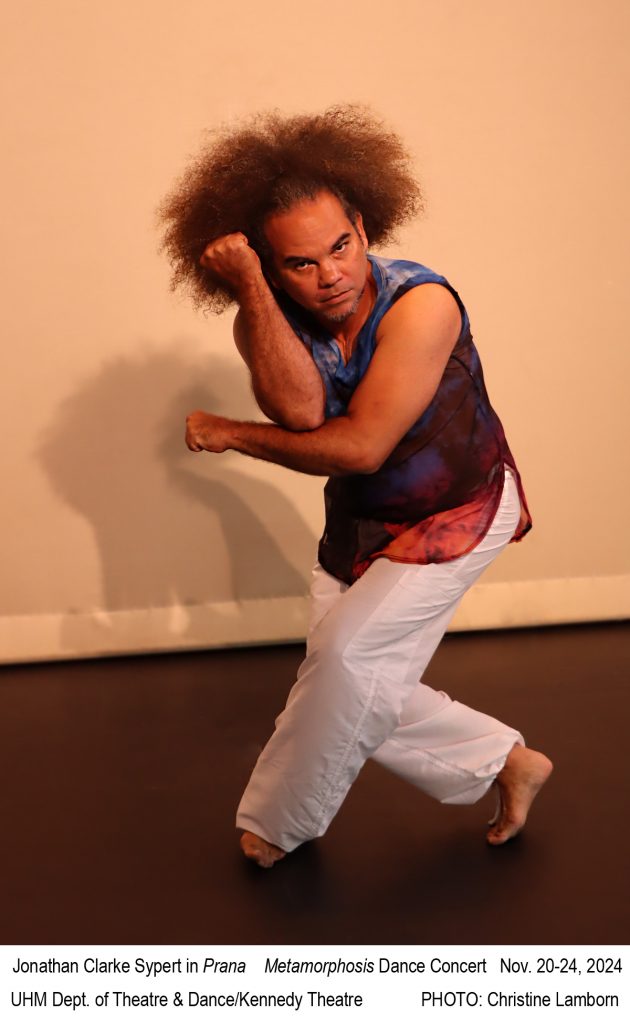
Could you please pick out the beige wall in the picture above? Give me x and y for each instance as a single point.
(116, 538)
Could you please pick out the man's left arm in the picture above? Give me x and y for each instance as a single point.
(415, 339)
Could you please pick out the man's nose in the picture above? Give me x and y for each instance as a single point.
(329, 273)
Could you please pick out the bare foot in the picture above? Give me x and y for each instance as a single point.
(522, 776)
(264, 853)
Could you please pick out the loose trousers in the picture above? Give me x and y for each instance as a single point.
(358, 696)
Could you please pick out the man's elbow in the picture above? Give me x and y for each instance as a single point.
(295, 417)
(302, 419)
(297, 420)
(370, 464)
(297, 423)
(365, 460)
(366, 449)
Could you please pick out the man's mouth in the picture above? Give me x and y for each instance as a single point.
(337, 295)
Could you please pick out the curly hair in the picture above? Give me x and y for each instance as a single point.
(267, 164)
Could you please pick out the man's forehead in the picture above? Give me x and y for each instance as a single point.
(309, 222)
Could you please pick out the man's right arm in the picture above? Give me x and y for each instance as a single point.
(286, 382)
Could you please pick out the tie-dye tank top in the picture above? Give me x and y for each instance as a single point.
(437, 493)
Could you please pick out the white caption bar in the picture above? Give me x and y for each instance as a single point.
(88, 984)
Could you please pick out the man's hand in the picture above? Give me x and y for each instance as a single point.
(205, 432)
(233, 260)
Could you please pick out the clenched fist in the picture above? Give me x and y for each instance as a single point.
(232, 259)
(205, 432)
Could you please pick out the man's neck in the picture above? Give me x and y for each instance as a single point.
(346, 332)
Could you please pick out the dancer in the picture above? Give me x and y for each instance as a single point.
(368, 370)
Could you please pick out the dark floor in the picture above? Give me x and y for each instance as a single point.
(120, 779)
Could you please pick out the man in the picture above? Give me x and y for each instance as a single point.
(368, 370)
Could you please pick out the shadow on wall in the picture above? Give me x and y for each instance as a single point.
(172, 527)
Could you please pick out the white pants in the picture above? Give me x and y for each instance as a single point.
(358, 695)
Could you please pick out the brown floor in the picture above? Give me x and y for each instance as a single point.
(120, 778)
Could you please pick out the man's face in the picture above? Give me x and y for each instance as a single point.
(319, 257)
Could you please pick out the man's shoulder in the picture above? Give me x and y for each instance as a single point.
(401, 300)
(431, 306)
(394, 273)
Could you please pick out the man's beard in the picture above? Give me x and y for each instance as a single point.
(338, 318)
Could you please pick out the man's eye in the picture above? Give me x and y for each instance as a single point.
(301, 266)
(340, 247)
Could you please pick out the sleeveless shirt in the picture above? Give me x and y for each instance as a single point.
(435, 496)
